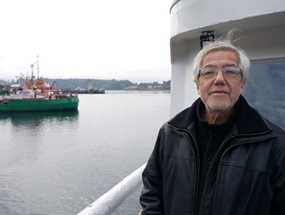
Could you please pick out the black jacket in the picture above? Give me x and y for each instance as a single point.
(246, 176)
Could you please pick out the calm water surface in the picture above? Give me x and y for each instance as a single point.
(57, 164)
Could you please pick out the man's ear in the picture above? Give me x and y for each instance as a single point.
(197, 86)
(243, 84)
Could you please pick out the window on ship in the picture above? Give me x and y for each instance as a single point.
(265, 89)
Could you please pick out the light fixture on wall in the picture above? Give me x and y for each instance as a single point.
(205, 37)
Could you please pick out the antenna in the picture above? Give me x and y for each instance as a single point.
(38, 67)
(32, 71)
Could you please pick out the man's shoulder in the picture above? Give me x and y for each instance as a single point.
(184, 117)
(276, 129)
(177, 123)
(279, 139)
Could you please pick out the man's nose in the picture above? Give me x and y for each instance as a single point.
(220, 77)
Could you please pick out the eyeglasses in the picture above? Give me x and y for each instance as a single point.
(210, 72)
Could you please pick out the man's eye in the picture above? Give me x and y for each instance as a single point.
(229, 71)
(232, 70)
(209, 72)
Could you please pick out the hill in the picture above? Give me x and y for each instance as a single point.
(113, 84)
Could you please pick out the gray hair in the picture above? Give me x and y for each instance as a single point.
(244, 62)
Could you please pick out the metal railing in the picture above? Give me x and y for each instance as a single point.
(108, 202)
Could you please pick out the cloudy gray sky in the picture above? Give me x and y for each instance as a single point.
(122, 39)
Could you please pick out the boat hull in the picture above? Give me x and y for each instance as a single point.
(29, 105)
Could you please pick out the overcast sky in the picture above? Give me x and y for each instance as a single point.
(121, 39)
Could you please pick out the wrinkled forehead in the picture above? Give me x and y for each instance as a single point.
(220, 56)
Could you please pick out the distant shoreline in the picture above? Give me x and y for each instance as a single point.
(138, 91)
(100, 85)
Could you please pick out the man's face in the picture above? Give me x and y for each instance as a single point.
(219, 91)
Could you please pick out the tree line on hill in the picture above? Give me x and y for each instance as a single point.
(113, 84)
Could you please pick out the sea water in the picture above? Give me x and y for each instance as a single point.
(58, 163)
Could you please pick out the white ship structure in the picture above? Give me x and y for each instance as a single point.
(262, 36)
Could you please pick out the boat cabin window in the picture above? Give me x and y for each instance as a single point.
(265, 90)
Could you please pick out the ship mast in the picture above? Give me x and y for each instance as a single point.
(38, 67)
(32, 71)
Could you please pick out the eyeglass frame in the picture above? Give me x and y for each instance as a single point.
(222, 69)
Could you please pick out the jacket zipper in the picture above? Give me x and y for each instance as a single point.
(221, 153)
(197, 165)
(197, 210)
(207, 179)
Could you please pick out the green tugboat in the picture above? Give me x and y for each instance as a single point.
(37, 95)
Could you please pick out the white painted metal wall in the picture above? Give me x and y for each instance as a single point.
(263, 31)
(190, 15)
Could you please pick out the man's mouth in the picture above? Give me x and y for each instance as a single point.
(218, 92)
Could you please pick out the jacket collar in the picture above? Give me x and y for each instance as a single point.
(247, 120)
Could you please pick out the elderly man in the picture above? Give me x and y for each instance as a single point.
(219, 156)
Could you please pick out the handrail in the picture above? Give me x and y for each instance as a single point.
(109, 201)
